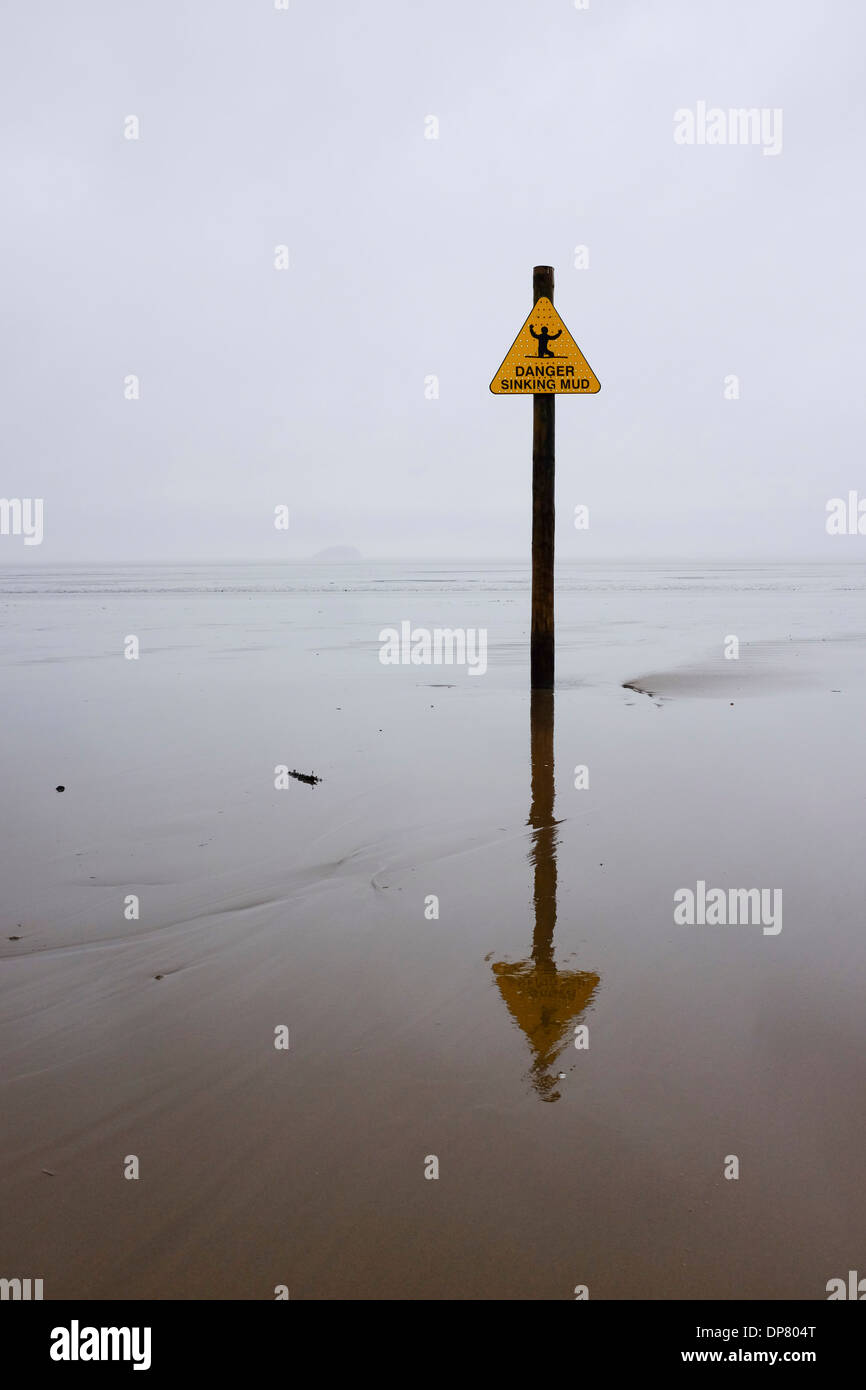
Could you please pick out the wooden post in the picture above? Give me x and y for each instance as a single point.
(543, 515)
(545, 829)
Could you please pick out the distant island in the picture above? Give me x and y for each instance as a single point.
(340, 553)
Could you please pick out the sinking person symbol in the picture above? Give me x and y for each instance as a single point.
(545, 337)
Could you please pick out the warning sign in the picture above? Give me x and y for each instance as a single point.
(545, 359)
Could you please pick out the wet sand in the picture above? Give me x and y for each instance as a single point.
(412, 1037)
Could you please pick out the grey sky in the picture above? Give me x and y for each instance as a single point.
(411, 257)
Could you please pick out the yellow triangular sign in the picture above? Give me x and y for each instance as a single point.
(545, 359)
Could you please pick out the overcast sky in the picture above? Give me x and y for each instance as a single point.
(411, 257)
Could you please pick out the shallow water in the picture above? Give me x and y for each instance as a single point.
(413, 1037)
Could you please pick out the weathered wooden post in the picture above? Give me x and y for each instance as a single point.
(532, 365)
(542, 643)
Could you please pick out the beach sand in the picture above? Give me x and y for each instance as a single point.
(412, 1037)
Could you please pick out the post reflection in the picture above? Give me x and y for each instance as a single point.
(545, 1003)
